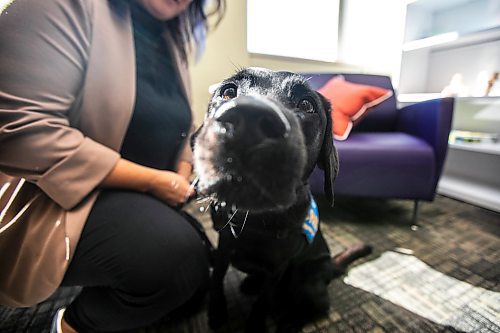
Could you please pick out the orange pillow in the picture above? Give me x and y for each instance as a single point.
(350, 102)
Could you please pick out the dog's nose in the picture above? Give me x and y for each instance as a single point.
(257, 117)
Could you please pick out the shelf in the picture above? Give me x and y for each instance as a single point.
(433, 5)
(452, 40)
(478, 147)
(429, 42)
(470, 191)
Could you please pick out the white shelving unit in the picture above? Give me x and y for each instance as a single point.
(446, 37)
(443, 38)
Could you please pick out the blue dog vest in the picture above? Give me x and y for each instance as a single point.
(310, 226)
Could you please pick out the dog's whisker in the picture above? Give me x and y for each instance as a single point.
(205, 209)
(228, 222)
(204, 199)
(232, 225)
(232, 216)
(236, 66)
(244, 221)
(233, 232)
(246, 216)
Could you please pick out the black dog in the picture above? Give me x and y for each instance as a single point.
(263, 135)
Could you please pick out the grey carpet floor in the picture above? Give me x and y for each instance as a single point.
(452, 237)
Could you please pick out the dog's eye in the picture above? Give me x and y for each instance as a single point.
(306, 105)
(229, 91)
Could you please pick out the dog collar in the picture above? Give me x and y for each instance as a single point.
(310, 226)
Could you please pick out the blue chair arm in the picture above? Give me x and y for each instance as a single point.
(431, 121)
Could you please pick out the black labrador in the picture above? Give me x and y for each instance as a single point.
(262, 136)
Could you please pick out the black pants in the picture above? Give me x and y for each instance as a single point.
(137, 260)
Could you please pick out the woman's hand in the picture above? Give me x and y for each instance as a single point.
(170, 187)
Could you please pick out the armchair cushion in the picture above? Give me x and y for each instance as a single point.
(367, 160)
(350, 103)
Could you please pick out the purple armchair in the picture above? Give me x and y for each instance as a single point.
(391, 153)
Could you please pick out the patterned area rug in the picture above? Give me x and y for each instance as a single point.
(408, 282)
(454, 238)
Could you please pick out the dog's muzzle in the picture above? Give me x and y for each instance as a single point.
(258, 119)
(250, 152)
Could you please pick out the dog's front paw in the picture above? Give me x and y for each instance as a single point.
(256, 321)
(287, 327)
(255, 326)
(217, 312)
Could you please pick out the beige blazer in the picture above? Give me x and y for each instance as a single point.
(67, 90)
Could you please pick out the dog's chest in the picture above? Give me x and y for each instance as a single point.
(263, 242)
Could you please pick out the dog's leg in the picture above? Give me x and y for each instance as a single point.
(256, 322)
(304, 291)
(217, 307)
(288, 300)
(289, 327)
(303, 295)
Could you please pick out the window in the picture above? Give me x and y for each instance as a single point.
(294, 28)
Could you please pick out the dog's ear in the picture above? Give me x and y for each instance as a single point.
(328, 159)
